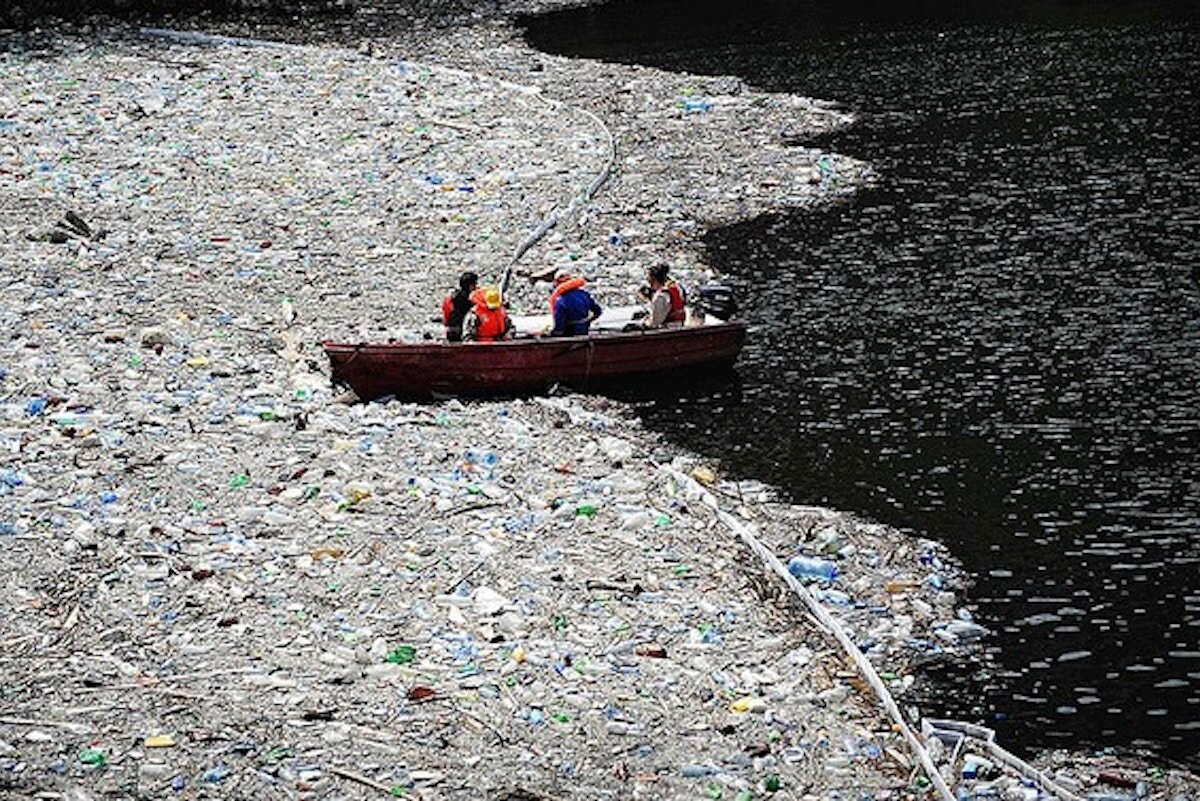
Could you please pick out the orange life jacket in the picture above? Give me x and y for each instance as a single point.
(678, 311)
(564, 288)
(492, 323)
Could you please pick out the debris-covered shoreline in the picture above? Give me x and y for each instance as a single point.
(219, 583)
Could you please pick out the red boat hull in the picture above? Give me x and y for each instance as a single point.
(455, 368)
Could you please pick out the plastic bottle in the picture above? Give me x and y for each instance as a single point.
(804, 567)
(93, 756)
(216, 774)
(897, 586)
(694, 771)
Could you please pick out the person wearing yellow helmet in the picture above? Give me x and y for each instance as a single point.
(487, 321)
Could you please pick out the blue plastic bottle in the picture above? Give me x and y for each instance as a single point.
(804, 567)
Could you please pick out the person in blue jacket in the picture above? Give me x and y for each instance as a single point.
(572, 306)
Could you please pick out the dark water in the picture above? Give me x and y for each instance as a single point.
(1000, 346)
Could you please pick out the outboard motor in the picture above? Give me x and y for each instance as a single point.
(717, 300)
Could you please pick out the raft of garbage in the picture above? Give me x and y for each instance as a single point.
(219, 581)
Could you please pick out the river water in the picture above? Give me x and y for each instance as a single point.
(998, 347)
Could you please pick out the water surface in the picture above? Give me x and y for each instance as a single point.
(1000, 346)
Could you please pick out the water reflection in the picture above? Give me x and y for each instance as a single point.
(1001, 345)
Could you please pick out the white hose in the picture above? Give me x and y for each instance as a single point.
(552, 219)
(188, 37)
(954, 732)
(558, 214)
(865, 668)
(580, 200)
(951, 732)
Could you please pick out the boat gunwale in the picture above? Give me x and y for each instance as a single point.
(545, 341)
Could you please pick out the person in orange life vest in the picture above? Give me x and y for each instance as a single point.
(571, 306)
(487, 321)
(456, 305)
(668, 306)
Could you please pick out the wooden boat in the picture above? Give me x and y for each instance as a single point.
(528, 362)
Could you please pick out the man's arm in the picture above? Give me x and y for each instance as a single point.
(470, 326)
(560, 320)
(660, 307)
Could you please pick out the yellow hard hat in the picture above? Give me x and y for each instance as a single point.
(491, 298)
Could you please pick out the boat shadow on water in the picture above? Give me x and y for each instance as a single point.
(679, 385)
